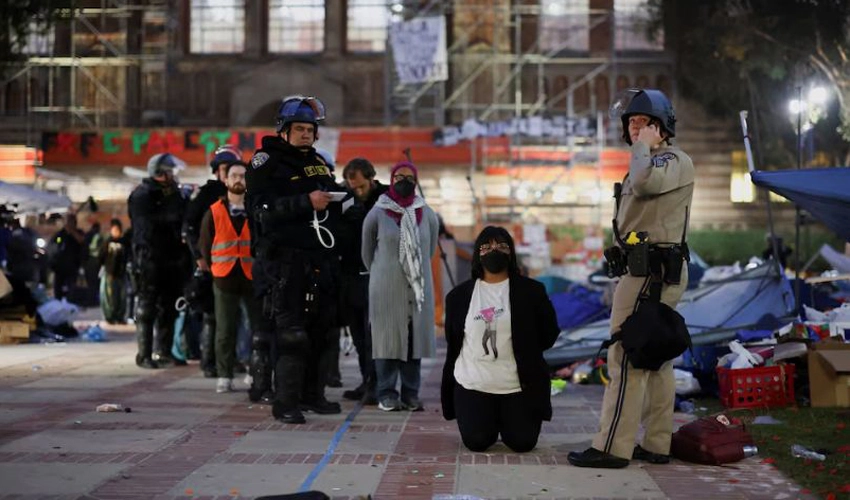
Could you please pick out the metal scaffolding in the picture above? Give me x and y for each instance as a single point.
(105, 66)
(502, 66)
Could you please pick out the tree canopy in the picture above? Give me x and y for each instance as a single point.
(754, 54)
(24, 17)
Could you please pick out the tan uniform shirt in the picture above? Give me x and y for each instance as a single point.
(656, 192)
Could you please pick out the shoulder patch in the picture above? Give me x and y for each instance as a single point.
(259, 159)
(661, 160)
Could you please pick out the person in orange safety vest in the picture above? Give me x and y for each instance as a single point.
(225, 244)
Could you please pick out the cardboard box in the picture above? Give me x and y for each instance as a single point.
(829, 374)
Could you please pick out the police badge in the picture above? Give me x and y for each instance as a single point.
(259, 159)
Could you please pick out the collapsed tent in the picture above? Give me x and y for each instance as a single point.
(820, 191)
(759, 297)
(838, 261)
(23, 199)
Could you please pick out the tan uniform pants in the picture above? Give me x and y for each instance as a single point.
(637, 396)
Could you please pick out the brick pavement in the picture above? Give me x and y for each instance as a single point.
(183, 440)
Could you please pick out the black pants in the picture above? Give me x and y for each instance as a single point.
(481, 417)
(299, 312)
(355, 303)
(63, 283)
(158, 290)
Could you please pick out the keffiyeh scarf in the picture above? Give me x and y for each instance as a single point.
(409, 253)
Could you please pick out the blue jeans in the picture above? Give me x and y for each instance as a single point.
(388, 371)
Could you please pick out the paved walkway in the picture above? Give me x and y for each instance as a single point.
(182, 440)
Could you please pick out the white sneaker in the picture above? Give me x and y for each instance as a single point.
(224, 385)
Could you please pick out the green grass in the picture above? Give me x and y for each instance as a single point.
(823, 429)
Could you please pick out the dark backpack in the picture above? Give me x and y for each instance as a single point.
(654, 333)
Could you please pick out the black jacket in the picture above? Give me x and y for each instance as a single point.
(351, 230)
(279, 181)
(534, 329)
(208, 194)
(156, 212)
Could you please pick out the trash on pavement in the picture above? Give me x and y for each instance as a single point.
(801, 451)
(111, 407)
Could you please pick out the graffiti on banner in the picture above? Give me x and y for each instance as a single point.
(558, 127)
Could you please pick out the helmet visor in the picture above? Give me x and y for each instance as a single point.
(621, 102)
(292, 103)
(170, 162)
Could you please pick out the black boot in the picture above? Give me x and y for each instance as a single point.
(164, 337)
(640, 453)
(334, 377)
(208, 346)
(370, 397)
(355, 394)
(287, 415)
(321, 406)
(289, 378)
(144, 339)
(261, 374)
(313, 394)
(592, 457)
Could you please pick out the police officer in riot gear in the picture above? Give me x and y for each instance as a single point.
(293, 222)
(650, 229)
(201, 289)
(160, 266)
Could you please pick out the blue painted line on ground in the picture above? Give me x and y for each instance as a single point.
(308, 482)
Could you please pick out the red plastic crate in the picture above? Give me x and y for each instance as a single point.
(756, 387)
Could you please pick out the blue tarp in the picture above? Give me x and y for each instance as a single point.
(28, 200)
(578, 306)
(823, 192)
(754, 299)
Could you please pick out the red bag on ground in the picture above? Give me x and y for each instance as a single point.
(711, 440)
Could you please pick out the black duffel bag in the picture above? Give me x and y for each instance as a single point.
(654, 333)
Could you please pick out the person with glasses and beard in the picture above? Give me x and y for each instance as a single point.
(225, 244)
(495, 380)
(399, 237)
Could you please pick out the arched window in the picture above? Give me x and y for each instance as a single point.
(662, 83)
(561, 84)
(15, 104)
(35, 92)
(642, 82)
(581, 99)
(622, 82)
(602, 92)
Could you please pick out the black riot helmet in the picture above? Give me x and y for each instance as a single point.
(652, 103)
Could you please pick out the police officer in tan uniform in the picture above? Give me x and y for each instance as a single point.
(653, 205)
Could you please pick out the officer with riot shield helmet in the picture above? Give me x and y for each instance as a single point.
(293, 220)
(160, 259)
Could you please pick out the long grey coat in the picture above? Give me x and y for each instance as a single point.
(391, 299)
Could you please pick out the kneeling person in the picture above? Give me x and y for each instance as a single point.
(498, 324)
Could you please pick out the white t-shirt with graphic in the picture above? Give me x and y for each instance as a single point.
(486, 362)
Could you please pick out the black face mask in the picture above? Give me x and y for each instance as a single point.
(495, 261)
(404, 188)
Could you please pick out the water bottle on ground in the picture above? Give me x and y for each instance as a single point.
(801, 451)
